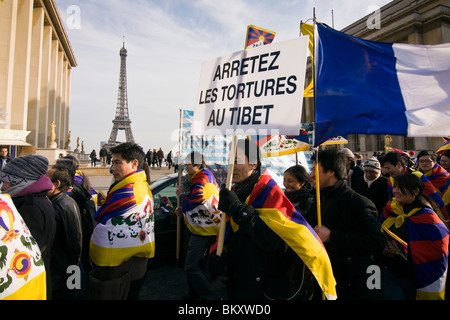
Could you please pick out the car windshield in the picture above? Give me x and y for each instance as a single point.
(164, 192)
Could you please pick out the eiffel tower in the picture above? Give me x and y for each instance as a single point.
(122, 120)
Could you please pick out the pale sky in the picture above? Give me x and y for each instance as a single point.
(167, 41)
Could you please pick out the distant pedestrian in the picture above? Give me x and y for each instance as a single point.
(93, 157)
(148, 157)
(103, 156)
(169, 159)
(160, 156)
(154, 158)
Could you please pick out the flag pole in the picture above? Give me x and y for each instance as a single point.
(180, 149)
(223, 221)
(316, 167)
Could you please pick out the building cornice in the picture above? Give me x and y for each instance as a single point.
(398, 16)
(59, 31)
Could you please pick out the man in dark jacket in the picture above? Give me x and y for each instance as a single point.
(373, 184)
(86, 206)
(258, 267)
(4, 159)
(25, 181)
(349, 229)
(66, 250)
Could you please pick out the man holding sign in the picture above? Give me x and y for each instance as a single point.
(263, 221)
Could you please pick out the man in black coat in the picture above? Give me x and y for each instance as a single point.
(66, 250)
(349, 229)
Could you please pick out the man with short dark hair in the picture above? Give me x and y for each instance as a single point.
(123, 239)
(268, 238)
(349, 229)
(67, 244)
(4, 159)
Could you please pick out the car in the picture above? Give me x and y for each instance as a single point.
(165, 202)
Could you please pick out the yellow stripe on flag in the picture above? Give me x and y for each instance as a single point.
(308, 29)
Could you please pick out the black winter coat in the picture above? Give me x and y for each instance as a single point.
(67, 244)
(255, 253)
(39, 216)
(355, 238)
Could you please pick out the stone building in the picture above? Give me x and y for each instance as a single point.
(424, 22)
(36, 60)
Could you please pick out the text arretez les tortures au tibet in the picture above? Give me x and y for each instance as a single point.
(253, 115)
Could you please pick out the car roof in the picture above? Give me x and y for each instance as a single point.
(158, 182)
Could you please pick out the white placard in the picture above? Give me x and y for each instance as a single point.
(255, 91)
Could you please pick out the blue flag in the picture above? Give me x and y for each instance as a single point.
(368, 87)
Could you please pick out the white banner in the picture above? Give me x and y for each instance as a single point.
(253, 90)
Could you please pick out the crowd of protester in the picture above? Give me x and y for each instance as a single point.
(351, 216)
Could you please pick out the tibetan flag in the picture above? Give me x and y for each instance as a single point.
(438, 176)
(125, 223)
(404, 155)
(279, 145)
(428, 245)
(445, 147)
(279, 214)
(257, 36)
(308, 30)
(200, 205)
(23, 275)
(368, 87)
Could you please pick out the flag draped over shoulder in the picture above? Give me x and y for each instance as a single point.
(280, 216)
(438, 176)
(368, 87)
(428, 190)
(200, 206)
(257, 36)
(22, 271)
(428, 247)
(126, 223)
(445, 147)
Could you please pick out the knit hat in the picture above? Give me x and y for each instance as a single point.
(372, 163)
(29, 167)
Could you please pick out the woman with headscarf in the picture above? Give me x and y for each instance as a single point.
(25, 181)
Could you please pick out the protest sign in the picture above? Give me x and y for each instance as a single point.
(260, 89)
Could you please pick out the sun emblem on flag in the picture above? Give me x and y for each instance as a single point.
(257, 34)
(21, 264)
